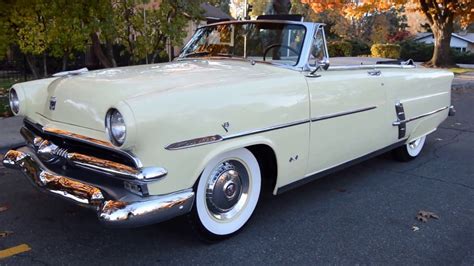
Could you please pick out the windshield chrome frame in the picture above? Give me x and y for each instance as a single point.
(303, 62)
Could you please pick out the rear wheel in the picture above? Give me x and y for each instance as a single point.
(226, 195)
(410, 150)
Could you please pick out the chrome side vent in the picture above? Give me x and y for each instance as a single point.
(402, 126)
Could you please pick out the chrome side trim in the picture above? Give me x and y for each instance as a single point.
(194, 142)
(398, 122)
(369, 67)
(218, 138)
(329, 116)
(114, 213)
(266, 129)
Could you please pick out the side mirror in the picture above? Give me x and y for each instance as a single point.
(323, 63)
(320, 64)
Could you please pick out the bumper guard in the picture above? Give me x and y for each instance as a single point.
(114, 213)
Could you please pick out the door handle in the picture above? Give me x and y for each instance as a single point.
(374, 72)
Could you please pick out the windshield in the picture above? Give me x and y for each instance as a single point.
(271, 42)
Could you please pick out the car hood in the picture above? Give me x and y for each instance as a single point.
(83, 100)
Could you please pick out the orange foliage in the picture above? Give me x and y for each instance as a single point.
(433, 9)
(321, 5)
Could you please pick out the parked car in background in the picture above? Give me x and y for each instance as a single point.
(247, 106)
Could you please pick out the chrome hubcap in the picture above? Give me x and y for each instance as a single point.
(414, 144)
(227, 190)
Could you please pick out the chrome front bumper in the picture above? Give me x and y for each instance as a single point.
(125, 212)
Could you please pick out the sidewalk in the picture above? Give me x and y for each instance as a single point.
(10, 132)
(464, 81)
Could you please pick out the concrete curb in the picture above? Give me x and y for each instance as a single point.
(462, 86)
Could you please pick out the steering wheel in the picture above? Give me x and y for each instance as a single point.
(278, 45)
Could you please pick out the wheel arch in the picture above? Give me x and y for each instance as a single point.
(264, 152)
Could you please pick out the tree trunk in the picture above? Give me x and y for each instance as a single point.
(441, 20)
(96, 47)
(32, 65)
(45, 65)
(442, 48)
(110, 52)
(281, 7)
(64, 67)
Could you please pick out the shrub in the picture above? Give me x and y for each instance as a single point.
(462, 57)
(339, 48)
(359, 48)
(419, 52)
(385, 50)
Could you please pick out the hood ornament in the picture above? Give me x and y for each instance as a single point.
(52, 103)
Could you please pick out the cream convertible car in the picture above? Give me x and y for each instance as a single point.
(247, 106)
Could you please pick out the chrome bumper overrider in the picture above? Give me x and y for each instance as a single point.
(117, 213)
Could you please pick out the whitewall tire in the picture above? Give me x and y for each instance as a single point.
(226, 194)
(410, 150)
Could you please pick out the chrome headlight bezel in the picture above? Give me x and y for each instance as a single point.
(14, 101)
(115, 127)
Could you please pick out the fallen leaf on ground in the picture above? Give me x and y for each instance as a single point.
(5, 234)
(3, 208)
(423, 216)
(415, 228)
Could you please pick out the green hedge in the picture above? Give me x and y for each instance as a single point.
(385, 50)
(463, 57)
(419, 52)
(339, 48)
(359, 48)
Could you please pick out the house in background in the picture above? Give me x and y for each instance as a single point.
(461, 41)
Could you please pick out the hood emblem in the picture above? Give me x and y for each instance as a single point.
(226, 126)
(52, 103)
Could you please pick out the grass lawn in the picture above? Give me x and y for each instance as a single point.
(459, 70)
(4, 105)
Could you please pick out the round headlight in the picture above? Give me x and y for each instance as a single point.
(116, 128)
(14, 101)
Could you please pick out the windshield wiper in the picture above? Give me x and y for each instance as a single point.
(194, 54)
(204, 53)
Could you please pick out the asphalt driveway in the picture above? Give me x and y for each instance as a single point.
(364, 214)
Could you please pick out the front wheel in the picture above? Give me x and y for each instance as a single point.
(226, 194)
(410, 150)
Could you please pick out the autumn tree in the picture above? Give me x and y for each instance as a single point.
(441, 15)
(67, 35)
(29, 22)
(147, 28)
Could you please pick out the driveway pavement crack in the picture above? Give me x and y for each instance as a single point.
(434, 179)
